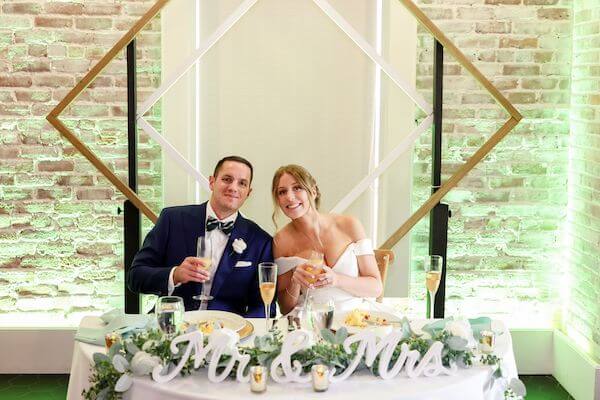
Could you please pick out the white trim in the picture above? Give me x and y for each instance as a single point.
(173, 153)
(574, 370)
(387, 161)
(375, 143)
(533, 350)
(36, 350)
(197, 186)
(187, 64)
(372, 53)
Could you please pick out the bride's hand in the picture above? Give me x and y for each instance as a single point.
(302, 277)
(327, 279)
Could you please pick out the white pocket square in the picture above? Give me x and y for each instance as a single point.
(241, 264)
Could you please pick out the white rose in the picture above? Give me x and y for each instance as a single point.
(462, 329)
(143, 363)
(226, 339)
(239, 245)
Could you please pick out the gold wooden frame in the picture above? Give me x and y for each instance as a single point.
(514, 119)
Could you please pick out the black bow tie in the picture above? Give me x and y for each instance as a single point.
(213, 223)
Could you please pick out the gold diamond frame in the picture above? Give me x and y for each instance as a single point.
(508, 125)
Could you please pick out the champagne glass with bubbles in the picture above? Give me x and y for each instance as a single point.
(433, 276)
(267, 276)
(169, 314)
(315, 267)
(203, 251)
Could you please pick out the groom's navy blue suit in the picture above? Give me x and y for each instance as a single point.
(173, 238)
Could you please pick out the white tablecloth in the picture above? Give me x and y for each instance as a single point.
(474, 383)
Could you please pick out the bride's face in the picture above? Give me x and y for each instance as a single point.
(292, 198)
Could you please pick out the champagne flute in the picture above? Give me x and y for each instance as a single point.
(203, 251)
(315, 266)
(169, 315)
(433, 276)
(267, 276)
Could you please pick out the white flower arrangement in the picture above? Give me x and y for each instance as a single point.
(442, 351)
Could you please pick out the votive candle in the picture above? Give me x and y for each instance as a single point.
(110, 339)
(487, 341)
(258, 379)
(320, 377)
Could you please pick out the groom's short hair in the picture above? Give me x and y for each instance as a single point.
(238, 159)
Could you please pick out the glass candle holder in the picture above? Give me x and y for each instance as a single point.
(110, 339)
(487, 342)
(320, 377)
(258, 379)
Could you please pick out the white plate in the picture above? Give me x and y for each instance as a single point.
(339, 318)
(229, 320)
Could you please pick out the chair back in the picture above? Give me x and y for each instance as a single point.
(384, 258)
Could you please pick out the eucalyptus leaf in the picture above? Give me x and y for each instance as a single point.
(497, 373)
(99, 357)
(114, 349)
(406, 329)
(120, 363)
(123, 384)
(341, 335)
(328, 336)
(132, 348)
(103, 394)
(518, 387)
(457, 343)
(435, 327)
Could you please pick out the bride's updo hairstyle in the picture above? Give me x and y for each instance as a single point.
(304, 179)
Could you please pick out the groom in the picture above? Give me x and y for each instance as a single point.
(167, 263)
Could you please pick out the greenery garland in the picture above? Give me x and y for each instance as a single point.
(111, 374)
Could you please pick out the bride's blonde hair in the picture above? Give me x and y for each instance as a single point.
(304, 179)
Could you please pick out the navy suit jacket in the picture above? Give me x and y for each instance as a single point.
(173, 238)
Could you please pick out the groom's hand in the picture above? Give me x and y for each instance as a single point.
(191, 270)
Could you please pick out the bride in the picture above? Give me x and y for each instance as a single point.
(349, 271)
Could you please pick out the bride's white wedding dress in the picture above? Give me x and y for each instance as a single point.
(346, 264)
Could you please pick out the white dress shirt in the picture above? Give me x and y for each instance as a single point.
(218, 240)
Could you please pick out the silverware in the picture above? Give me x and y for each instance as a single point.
(375, 323)
(276, 321)
(290, 321)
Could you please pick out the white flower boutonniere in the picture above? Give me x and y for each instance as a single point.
(239, 245)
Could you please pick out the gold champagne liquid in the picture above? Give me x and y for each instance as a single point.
(207, 262)
(267, 292)
(432, 280)
(314, 268)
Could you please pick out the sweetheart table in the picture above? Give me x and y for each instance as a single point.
(475, 383)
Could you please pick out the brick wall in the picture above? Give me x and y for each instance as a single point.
(583, 310)
(60, 235)
(504, 235)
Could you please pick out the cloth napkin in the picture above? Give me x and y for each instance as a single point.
(477, 325)
(115, 321)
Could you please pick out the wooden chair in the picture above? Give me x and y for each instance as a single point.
(384, 258)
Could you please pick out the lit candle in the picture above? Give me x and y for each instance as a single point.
(110, 339)
(320, 377)
(487, 341)
(258, 379)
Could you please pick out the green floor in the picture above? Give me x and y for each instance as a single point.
(51, 387)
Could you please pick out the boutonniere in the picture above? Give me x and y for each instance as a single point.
(239, 245)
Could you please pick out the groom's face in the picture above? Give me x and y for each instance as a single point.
(230, 188)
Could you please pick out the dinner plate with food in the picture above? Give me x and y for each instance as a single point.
(357, 320)
(208, 320)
